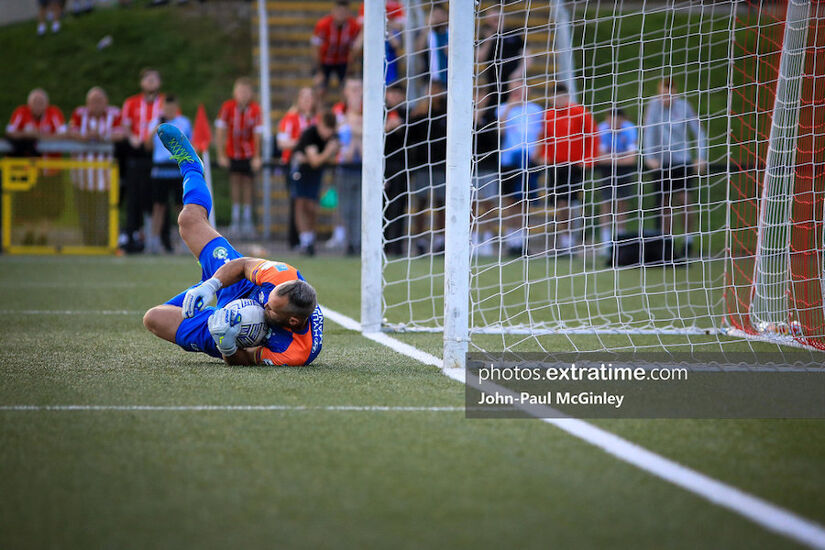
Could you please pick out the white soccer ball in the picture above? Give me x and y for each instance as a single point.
(253, 323)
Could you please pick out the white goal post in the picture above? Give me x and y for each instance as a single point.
(587, 176)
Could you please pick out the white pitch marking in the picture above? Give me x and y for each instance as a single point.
(759, 511)
(333, 408)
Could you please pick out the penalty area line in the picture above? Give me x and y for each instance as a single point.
(759, 511)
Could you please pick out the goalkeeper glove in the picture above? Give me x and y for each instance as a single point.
(197, 297)
(224, 326)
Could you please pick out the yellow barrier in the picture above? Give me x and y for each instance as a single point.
(40, 217)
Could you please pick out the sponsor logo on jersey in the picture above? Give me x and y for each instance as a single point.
(220, 253)
(194, 347)
(317, 324)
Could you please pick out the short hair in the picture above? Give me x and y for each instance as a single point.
(342, 3)
(171, 98)
(560, 88)
(146, 70)
(301, 298)
(243, 81)
(327, 118)
(397, 88)
(618, 111)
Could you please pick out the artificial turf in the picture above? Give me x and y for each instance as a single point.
(316, 478)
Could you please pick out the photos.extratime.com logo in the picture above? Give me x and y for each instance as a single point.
(649, 386)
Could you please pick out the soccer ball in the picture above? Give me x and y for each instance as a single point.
(253, 324)
(796, 328)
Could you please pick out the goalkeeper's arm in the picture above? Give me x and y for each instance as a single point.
(228, 274)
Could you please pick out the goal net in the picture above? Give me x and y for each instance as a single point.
(639, 176)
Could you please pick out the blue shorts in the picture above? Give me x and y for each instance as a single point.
(193, 333)
(305, 184)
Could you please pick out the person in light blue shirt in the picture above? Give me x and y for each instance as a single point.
(521, 122)
(165, 177)
(619, 144)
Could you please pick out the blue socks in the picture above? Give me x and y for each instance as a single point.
(194, 186)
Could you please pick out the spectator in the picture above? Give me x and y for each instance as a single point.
(238, 142)
(30, 123)
(333, 41)
(486, 177)
(504, 51)
(48, 10)
(298, 118)
(435, 42)
(166, 179)
(34, 121)
(349, 179)
(392, 45)
(520, 124)
(137, 115)
(668, 153)
(395, 165)
(618, 138)
(94, 122)
(427, 134)
(315, 150)
(568, 145)
(350, 104)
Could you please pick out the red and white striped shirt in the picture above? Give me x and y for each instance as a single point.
(291, 127)
(243, 125)
(50, 123)
(335, 41)
(138, 114)
(85, 124)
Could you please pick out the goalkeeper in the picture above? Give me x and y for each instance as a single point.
(292, 314)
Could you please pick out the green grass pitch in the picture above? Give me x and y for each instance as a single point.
(312, 477)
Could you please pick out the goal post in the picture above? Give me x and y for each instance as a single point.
(587, 176)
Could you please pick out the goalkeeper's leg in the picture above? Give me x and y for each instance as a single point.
(193, 220)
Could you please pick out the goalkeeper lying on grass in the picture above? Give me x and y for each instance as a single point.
(294, 319)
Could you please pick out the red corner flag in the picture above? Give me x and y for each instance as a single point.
(201, 134)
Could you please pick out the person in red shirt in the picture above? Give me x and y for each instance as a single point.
(568, 145)
(34, 121)
(37, 121)
(94, 122)
(333, 40)
(137, 115)
(298, 118)
(238, 142)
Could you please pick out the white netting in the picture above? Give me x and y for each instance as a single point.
(619, 158)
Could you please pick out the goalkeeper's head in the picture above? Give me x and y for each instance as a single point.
(290, 305)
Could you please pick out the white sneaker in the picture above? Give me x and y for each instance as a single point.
(334, 243)
(55, 26)
(41, 29)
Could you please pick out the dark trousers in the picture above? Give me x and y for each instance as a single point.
(395, 203)
(138, 188)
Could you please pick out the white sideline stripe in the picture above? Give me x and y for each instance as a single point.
(759, 511)
(335, 408)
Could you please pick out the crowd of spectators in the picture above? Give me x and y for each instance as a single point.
(523, 150)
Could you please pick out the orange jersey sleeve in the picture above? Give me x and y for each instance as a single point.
(274, 273)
